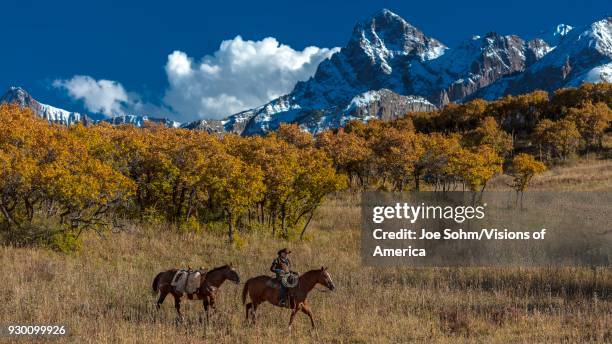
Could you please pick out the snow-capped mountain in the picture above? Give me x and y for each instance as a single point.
(389, 68)
(583, 55)
(60, 116)
(384, 104)
(386, 52)
(376, 57)
(379, 52)
(472, 65)
(55, 115)
(140, 121)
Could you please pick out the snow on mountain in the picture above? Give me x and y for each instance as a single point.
(382, 104)
(140, 121)
(55, 115)
(537, 47)
(472, 65)
(209, 125)
(554, 37)
(60, 116)
(598, 74)
(583, 55)
(387, 35)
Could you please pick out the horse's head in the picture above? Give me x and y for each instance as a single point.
(231, 274)
(325, 279)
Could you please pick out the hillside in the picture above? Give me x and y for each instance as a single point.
(103, 291)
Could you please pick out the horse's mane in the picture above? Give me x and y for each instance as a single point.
(218, 268)
(310, 272)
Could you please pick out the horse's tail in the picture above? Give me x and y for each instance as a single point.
(155, 285)
(245, 290)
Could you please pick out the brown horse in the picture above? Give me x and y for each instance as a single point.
(207, 291)
(266, 288)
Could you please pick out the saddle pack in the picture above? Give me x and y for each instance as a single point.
(187, 281)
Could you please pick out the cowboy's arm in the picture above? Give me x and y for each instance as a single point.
(274, 268)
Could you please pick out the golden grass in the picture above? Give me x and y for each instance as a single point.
(103, 292)
(587, 174)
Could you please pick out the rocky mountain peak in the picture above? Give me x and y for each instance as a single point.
(386, 35)
(473, 64)
(553, 37)
(17, 95)
(583, 55)
(22, 98)
(601, 33)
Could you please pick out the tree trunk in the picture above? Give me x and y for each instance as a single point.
(190, 204)
(230, 232)
(482, 191)
(306, 225)
(179, 205)
(284, 221)
(7, 215)
(260, 206)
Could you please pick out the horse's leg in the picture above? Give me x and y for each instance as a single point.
(205, 303)
(213, 305)
(248, 309)
(254, 310)
(162, 297)
(177, 304)
(306, 310)
(293, 313)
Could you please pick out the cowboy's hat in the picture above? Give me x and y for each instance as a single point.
(285, 250)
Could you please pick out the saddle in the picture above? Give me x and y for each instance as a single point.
(289, 280)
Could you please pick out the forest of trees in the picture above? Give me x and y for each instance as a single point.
(58, 181)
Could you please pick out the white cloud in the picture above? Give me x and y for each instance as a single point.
(239, 76)
(101, 96)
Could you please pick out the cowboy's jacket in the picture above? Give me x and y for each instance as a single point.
(277, 266)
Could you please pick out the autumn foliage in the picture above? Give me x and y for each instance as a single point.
(57, 181)
(88, 178)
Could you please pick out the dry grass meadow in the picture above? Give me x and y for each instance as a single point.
(103, 292)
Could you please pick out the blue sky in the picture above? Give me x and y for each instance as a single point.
(128, 43)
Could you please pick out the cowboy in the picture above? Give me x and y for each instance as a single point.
(280, 266)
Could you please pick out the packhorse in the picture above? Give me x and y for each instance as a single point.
(265, 288)
(209, 286)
